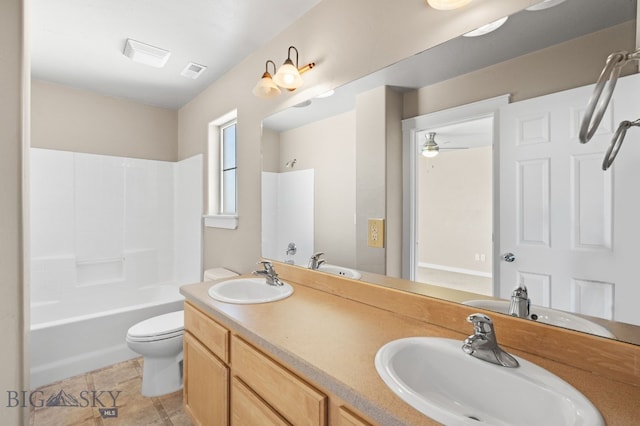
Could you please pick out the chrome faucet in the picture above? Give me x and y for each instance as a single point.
(520, 302)
(483, 344)
(291, 249)
(269, 273)
(315, 261)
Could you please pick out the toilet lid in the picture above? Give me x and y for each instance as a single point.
(171, 323)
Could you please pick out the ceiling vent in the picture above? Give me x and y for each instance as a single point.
(193, 70)
(146, 54)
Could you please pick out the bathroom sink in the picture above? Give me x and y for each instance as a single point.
(340, 270)
(547, 316)
(249, 290)
(438, 379)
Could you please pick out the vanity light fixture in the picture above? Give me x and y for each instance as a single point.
(430, 149)
(447, 4)
(265, 87)
(486, 29)
(288, 76)
(144, 53)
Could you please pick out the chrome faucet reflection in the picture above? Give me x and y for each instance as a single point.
(315, 261)
(269, 273)
(520, 303)
(483, 343)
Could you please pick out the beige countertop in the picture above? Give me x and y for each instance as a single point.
(332, 342)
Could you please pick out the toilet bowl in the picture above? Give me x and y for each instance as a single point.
(159, 341)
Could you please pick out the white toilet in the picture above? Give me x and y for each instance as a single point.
(159, 341)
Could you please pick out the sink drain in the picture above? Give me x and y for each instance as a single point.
(474, 418)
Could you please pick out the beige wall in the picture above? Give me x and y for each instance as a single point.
(271, 151)
(13, 110)
(456, 209)
(346, 40)
(77, 120)
(329, 147)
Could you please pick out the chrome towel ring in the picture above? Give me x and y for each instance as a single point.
(599, 101)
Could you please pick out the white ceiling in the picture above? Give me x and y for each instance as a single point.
(79, 43)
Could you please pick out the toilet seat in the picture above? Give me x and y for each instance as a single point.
(158, 328)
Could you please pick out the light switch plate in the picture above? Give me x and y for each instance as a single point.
(375, 231)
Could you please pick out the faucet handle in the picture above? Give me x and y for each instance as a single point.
(482, 324)
(267, 265)
(317, 255)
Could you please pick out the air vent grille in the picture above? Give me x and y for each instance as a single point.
(193, 70)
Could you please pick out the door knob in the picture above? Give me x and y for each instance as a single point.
(509, 257)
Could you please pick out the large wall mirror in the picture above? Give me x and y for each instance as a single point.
(355, 145)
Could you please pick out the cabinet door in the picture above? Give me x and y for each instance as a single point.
(206, 385)
(247, 408)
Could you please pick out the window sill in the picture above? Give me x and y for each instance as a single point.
(221, 221)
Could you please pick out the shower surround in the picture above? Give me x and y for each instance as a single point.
(111, 241)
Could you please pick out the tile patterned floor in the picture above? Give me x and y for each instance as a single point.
(133, 409)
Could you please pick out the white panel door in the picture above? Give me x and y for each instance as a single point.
(574, 229)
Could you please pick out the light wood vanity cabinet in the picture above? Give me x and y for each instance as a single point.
(228, 381)
(206, 375)
(206, 385)
(347, 418)
(247, 408)
(295, 400)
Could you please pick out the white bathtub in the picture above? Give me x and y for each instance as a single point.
(87, 330)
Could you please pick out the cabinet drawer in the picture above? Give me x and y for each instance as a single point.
(210, 333)
(247, 408)
(348, 418)
(294, 399)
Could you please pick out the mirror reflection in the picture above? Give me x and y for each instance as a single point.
(353, 143)
(455, 206)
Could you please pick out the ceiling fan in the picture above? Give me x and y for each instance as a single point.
(431, 148)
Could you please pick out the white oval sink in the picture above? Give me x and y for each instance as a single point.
(340, 270)
(547, 316)
(249, 290)
(437, 378)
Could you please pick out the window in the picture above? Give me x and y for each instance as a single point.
(228, 168)
(223, 173)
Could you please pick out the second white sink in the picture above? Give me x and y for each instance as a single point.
(438, 379)
(340, 270)
(249, 290)
(547, 316)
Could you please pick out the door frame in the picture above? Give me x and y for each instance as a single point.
(410, 155)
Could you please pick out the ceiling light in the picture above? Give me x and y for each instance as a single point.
(447, 4)
(546, 4)
(193, 70)
(266, 88)
(486, 29)
(145, 53)
(430, 149)
(326, 94)
(288, 76)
